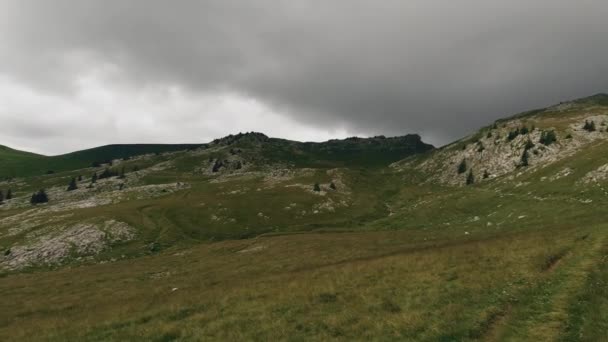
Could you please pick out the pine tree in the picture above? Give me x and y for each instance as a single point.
(94, 178)
(523, 130)
(462, 167)
(470, 178)
(513, 134)
(317, 188)
(39, 197)
(9, 194)
(589, 126)
(524, 158)
(72, 186)
(122, 173)
(217, 166)
(1, 197)
(80, 178)
(547, 137)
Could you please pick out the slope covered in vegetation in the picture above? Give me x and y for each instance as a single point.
(255, 238)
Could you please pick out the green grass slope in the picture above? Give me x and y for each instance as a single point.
(377, 151)
(15, 163)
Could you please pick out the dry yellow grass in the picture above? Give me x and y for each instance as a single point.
(374, 285)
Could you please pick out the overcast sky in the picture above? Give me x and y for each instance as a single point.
(77, 74)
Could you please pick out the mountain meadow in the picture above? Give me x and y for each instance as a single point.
(499, 236)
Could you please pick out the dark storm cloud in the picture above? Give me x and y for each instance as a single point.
(441, 68)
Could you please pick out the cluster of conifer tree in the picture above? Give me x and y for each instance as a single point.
(39, 197)
(589, 126)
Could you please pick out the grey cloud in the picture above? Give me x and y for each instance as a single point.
(441, 68)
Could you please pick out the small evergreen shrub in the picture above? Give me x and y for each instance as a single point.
(512, 134)
(462, 167)
(470, 178)
(589, 126)
(524, 159)
(39, 197)
(72, 186)
(547, 138)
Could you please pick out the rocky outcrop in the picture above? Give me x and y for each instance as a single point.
(55, 245)
(511, 147)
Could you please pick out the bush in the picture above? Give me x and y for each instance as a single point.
(589, 126)
(9, 194)
(470, 178)
(524, 159)
(462, 167)
(217, 165)
(547, 138)
(39, 197)
(513, 134)
(332, 186)
(317, 188)
(72, 186)
(107, 173)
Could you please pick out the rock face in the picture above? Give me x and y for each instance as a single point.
(52, 247)
(518, 145)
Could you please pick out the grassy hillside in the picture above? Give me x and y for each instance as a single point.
(378, 151)
(231, 240)
(14, 162)
(23, 164)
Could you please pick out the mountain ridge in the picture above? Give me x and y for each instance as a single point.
(40, 164)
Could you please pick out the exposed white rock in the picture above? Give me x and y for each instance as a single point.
(597, 175)
(494, 155)
(55, 244)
